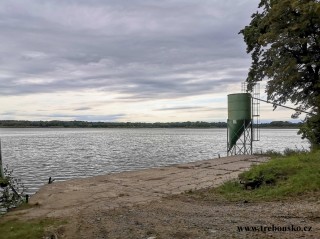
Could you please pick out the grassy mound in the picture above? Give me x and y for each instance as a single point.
(282, 177)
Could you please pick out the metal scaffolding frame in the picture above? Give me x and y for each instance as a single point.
(251, 131)
(244, 143)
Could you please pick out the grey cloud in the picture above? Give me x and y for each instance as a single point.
(104, 118)
(192, 108)
(183, 108)
(82, 108)
(48, 115)
(142, 49)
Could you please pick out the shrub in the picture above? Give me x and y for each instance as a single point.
(11, 190)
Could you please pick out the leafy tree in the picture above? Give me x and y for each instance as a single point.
(283, 38)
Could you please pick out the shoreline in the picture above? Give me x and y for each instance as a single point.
(61, 127)
(151, 203)
(65, 198)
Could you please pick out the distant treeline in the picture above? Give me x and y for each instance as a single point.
(85, 124)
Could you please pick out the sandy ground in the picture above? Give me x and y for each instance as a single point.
(141, 204)
(130, 188)
(185, 217)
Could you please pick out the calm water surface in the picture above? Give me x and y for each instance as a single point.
(37, 154)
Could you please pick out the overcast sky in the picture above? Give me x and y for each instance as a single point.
(123, 60)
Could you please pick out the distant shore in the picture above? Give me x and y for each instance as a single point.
(87, 124)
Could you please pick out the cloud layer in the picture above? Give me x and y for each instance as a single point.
(133, 59)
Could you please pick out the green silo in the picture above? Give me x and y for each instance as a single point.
(239, 116)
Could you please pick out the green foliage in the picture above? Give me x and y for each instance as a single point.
(296, 152)
(282, 177)
(282, 124)
(311, 130)
(85, 124)
(286, 152)
(4, 182)
(273, 172)
(284, 41)
(11, 190)
(17, 229)
(272, 153)
(32, 229)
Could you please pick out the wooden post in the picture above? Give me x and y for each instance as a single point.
(1, 168)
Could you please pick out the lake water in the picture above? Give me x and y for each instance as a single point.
(37, 154)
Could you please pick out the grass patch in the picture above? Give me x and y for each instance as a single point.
(31, 229)
(281, 178)
(22, 207)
